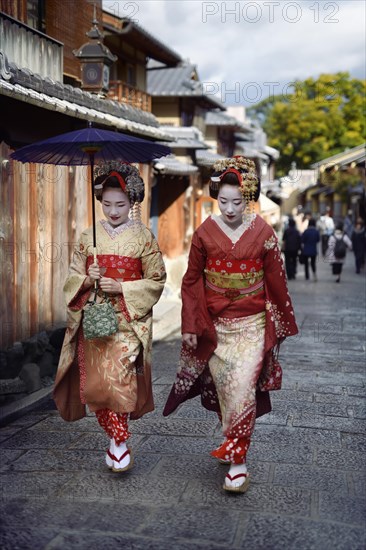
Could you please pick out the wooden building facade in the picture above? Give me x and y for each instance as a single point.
(44, 208)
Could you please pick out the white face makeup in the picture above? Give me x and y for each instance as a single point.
(231, 205)
(116, 206)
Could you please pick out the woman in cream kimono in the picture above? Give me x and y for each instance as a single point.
(112, 375)
(236, 311)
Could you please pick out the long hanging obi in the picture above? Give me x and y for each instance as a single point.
(231, 280)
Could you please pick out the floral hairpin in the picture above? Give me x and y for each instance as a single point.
(237, 162)
(245, 170)
(247, 175)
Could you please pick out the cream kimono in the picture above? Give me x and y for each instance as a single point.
(112, 372)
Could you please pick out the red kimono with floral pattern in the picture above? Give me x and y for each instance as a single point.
(257, 246)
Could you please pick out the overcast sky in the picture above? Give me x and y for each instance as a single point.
(245, 51)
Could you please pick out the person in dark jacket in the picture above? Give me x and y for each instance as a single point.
(291, 244)
(359, 244)
(310, 239)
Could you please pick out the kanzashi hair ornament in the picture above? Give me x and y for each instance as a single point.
(245, 170)
(247, 176)
(136, 212)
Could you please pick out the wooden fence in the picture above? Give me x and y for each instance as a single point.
(43, 209)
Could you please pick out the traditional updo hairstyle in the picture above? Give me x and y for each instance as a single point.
(232, 179)
(109, 182)
(239, 171)
(122, 176)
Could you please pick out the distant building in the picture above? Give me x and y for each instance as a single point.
(181, 106)
(340, 184)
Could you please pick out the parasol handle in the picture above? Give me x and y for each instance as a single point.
(91, 156)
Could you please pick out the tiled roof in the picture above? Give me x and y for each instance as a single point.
(189, 143)
(248, 151)
(217, 118)
(139, 37)
(185, 137)
(360, 158)
(207, 158)
(26, 86)
(177, 81)
(241, 136)
(271, 151)
(356, 154)
(171, 165)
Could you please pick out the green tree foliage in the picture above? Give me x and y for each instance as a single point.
(318, 119)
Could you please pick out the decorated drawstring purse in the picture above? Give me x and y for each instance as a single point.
(99, 319)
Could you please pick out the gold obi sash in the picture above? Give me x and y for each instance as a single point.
(235, 279)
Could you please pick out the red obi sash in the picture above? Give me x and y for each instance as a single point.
(234, 279)
(234, 266)
(118, 267)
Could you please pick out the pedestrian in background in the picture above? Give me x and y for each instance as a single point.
(291, 244)
(359, 244)
(310, 239)
(337, 250)
(236, 310)
(302, 219)
(112, 374)
(348, 224)
(326, 228)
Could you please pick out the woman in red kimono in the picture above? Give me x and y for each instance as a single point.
(112, 375)
(236, 311)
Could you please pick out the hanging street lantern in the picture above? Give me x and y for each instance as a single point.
(96, 60)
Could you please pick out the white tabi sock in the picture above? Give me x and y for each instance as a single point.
(236, 470)
(118, 451)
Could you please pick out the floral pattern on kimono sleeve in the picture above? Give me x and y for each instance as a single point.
(76, 296)
(278, 301)
(122, 305)
(141, 295)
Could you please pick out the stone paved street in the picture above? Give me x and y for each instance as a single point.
(307, 458)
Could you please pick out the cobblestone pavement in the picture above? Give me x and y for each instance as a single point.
(307, 458)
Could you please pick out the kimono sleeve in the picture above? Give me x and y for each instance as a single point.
(141, 295)
(75, 295)
(194, 310)
(278, 301)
